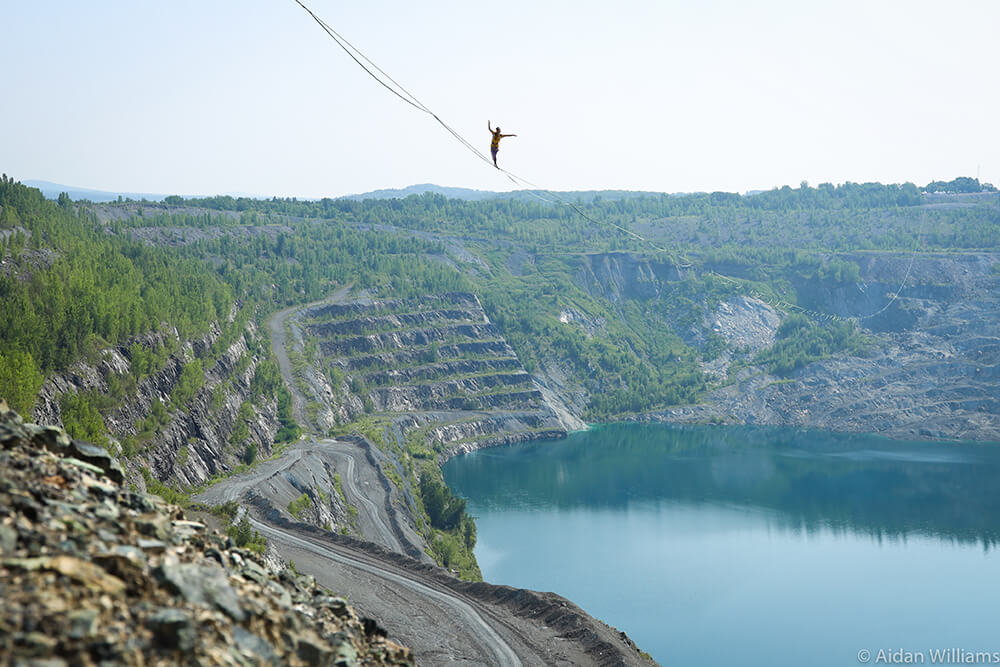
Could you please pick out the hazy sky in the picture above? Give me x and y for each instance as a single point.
(251, 96)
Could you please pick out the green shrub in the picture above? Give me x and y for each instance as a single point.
(799, 342)
(246, 537)
(297, 506)
(170, 494)
(82, 419)
(241, 431)
(191, 379)
(443, 509)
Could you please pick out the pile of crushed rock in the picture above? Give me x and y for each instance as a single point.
(93, 573)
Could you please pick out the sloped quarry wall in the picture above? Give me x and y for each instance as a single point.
(194, 443)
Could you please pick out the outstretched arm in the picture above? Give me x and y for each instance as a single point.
(508, 135)
(489, 126)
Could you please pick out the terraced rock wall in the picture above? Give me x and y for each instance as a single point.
(438, 362)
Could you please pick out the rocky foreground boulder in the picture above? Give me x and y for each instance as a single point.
(93, 573)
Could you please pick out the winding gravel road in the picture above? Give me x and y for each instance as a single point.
(460, 635)
(371, 521)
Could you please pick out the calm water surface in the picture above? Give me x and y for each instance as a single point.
(750, 546)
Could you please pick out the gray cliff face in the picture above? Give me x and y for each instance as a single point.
(895, 289)
(748, 326)
(619, 276)
(205, 427)
(931, 371)
(194, 443)
(746, 323)
(567, 398)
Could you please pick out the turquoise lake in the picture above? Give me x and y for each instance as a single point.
(750, 546)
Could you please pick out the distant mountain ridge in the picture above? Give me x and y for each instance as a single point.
(423, 188)
(52, 191)
(480, 195)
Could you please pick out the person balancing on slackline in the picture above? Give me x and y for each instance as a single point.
(495, 144)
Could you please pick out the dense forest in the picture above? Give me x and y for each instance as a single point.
(68, 289)
(78, 277)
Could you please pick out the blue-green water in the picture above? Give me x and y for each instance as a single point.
(750, 546)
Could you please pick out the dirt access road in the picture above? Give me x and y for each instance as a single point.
(309, 466)
(279, 346)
